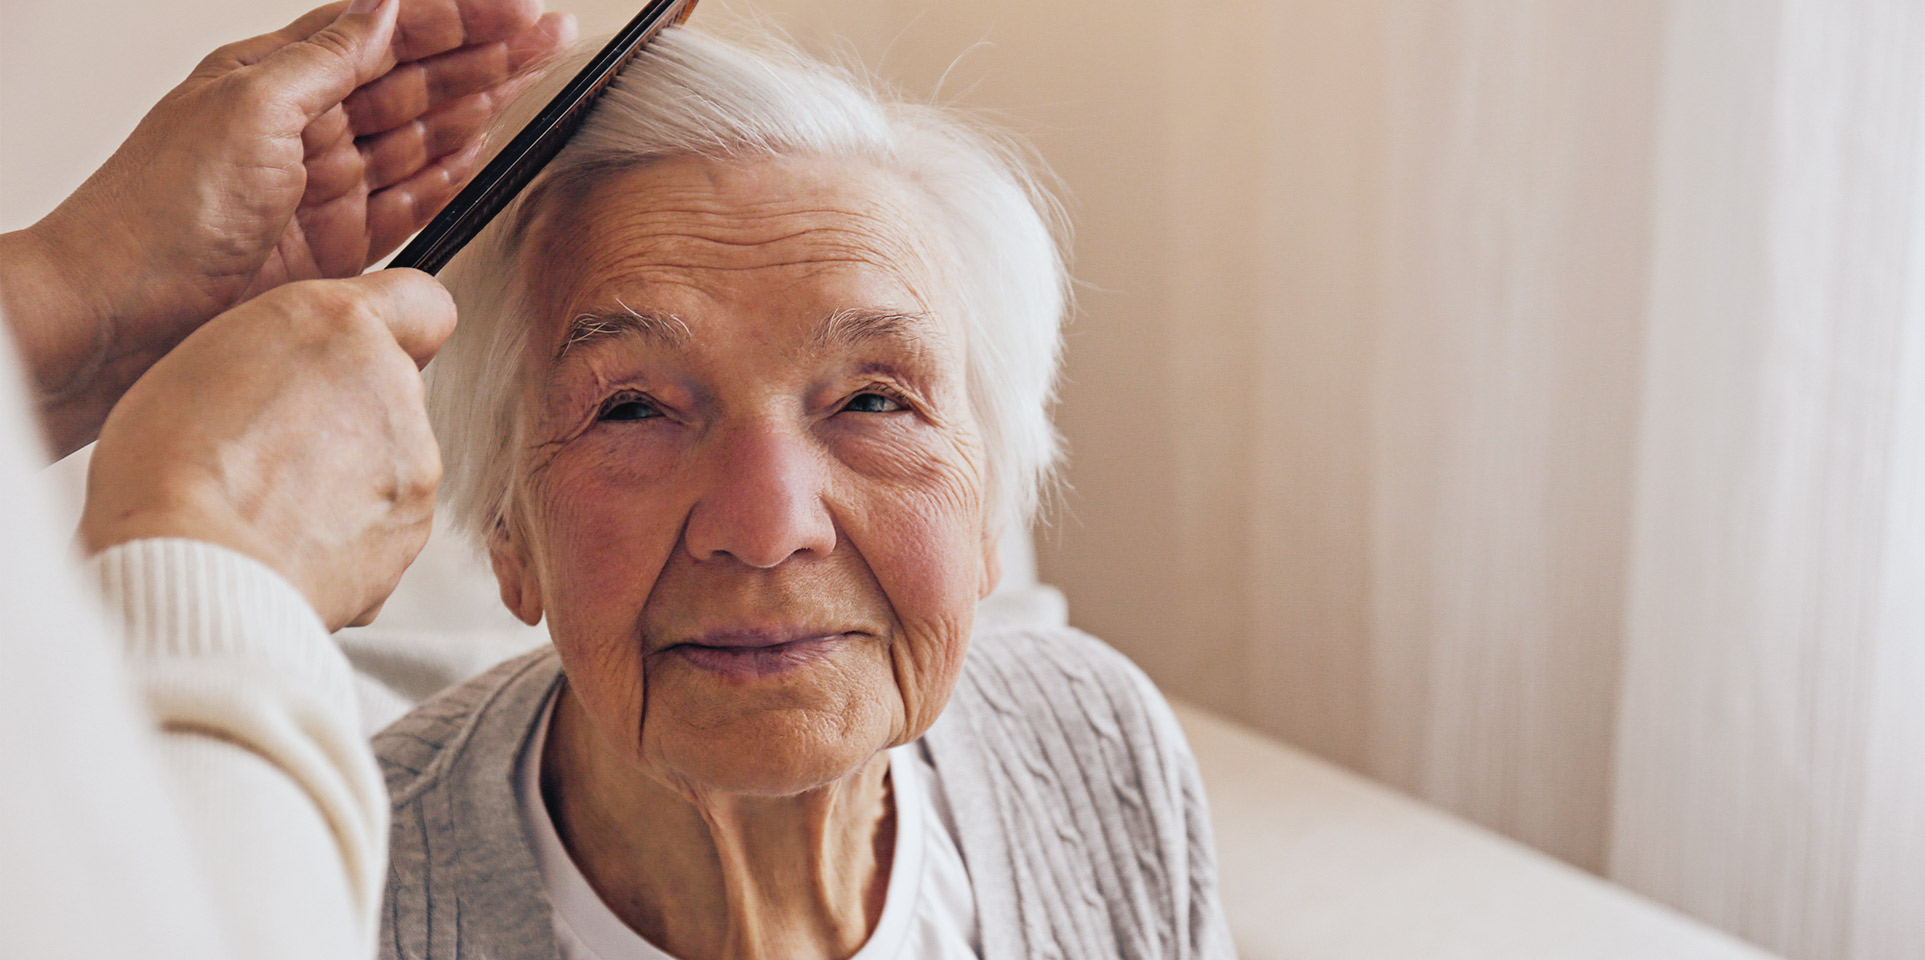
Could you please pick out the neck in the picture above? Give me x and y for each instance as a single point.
(713, 876)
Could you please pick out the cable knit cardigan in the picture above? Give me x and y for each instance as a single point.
(1078, 811)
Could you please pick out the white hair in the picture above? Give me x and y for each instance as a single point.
(690, 94)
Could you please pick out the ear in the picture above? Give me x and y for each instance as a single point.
(992, 562)
(515, 573)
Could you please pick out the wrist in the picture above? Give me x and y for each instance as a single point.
(185, 517)
(159, 514)
(74, 298)
(188, 601)
(60, 331)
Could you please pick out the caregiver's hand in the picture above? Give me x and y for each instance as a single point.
(290, 428)
(309, 152)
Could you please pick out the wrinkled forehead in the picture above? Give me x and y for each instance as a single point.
(808, 234)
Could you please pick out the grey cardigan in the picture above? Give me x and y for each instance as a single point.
(1078, 811)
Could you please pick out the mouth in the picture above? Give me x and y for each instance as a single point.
(749, 655)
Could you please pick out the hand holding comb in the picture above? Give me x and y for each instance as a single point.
(536, 144)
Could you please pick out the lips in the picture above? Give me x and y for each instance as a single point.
(751, 654)
(750, 639)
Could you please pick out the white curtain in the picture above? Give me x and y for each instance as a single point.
(1770, 765)
(1512, 279)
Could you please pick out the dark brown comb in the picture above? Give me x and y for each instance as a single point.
(535, 145)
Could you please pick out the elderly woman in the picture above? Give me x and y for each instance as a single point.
(744, 390)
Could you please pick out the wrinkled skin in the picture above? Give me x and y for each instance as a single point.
(784, 447)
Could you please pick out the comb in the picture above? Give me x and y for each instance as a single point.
(535, 144)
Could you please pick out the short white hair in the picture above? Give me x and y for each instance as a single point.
(690, 94)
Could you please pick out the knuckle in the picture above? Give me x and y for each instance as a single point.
(417, 477)
(254, 89)
(333, 51)
(351, 305)
(327, 310)
(425, 477)
(223, 58)
(358, 316)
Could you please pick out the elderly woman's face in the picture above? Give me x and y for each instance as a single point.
(753, 508)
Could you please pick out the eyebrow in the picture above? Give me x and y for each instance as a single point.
(594, 327)
(843, 328)
(854, 327)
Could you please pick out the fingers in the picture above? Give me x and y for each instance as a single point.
(326, 132)
(548, 36)
(423, 28)
(429, 27)
(412, 89)
(416, 88)
(314, 74)
(398, 211)
(429, 121)
(342, 217)
(399, 154)
(552, 34)
(337, 164)
(339, 202)
(417, 310)
(445, 49)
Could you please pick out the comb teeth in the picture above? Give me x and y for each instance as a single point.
(535, 144)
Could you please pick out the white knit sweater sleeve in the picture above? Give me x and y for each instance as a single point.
(284, 807)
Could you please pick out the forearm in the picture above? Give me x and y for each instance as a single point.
(260, 737)
(62, 334)
(269, 865)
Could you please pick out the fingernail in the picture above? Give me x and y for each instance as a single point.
(364, 6)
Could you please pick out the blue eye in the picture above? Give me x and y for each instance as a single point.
(872, 402)
(628, 408)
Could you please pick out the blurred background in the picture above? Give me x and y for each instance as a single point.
(1519, 402)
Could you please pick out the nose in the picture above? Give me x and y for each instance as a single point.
(764, 500)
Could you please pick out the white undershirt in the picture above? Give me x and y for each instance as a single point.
(929, 912)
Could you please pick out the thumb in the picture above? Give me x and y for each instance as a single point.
(418, 310)
(315, 74)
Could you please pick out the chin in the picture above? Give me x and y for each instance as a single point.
(768, 752)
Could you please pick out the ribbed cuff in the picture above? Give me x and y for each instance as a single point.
(186, 600)
(220, 645)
